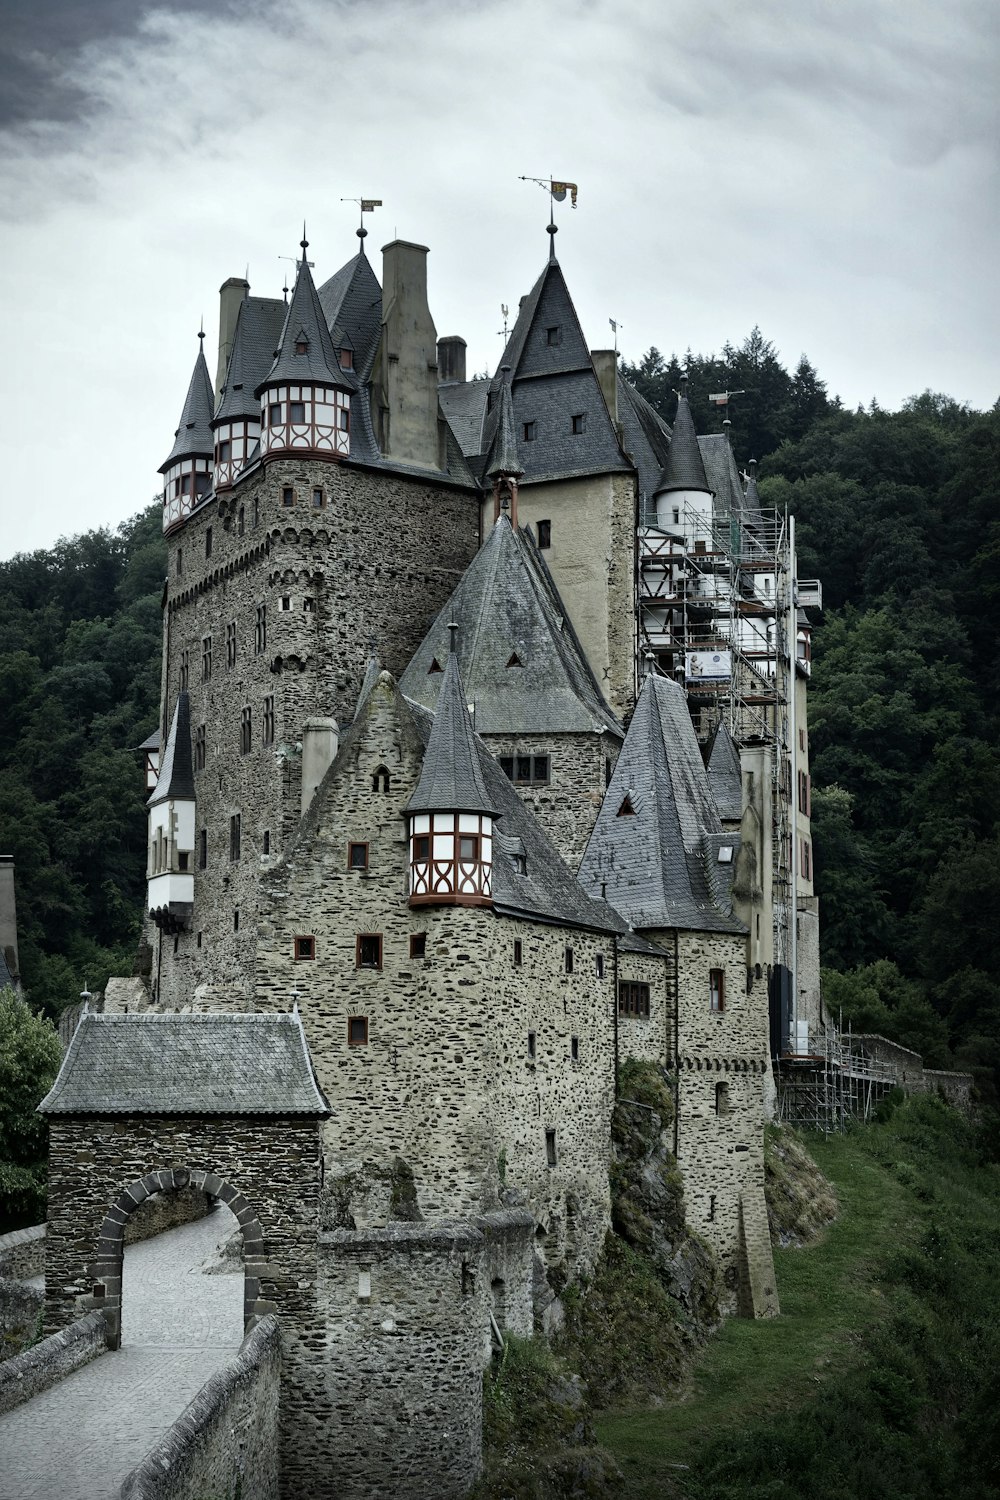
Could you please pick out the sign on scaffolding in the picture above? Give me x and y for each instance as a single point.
(710, 669)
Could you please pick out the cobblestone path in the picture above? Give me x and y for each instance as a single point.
(79, 1440)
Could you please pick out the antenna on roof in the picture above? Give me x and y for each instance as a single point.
(368, 206)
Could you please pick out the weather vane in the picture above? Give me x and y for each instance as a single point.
(557, 192)
(616, 325)
(505, 310)
(367, 206)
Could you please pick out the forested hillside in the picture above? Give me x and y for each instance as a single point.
(898, 514)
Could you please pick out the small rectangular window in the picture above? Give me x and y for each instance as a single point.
(368, 951)
(180, 561)
(579, 423)
(717, 989)
(568, 960)
(185, 671)
(518, 950)
(274, 414)
(203, 849)
(357, 856)
(265, 841)
(287, 496)
(522, 768)
(344, 419)
(296, 411)
(268, 720)
(357, 1031)
(553, 336)
(550, 1148)
(305, 947)
(246, 731)
(319, 499)
(418, 944)
(544, 535)
(206, 658)
(422, 846)
(531, 1044)
(468, 847)
(309, 604)
(208, 541)
(599, 965)
(231, 645)
(722, 1098)
(540, 768)
(182, 860)
(530, 431)
(507, 766)
(260, 630)
(199, 748)
(236, 920)
(633, 999)
(234, 836)
(286, 603)
(574, 1048)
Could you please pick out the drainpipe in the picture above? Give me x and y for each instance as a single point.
(793, 920)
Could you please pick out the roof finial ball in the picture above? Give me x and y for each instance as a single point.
(362, 234)
(303, 241)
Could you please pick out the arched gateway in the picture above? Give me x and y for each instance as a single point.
(150, 1103)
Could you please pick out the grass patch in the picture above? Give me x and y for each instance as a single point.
(880, 1378)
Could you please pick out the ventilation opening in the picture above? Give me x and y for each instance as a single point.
(435, 666)
(514, 660)
(626, 810)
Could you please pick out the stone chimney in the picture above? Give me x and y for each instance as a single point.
(320, 739)
(406, 370)
(606, 369)
(8, 916)
(231, 294)
(451, 359)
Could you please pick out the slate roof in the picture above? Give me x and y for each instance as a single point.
(547, 891)
(370, 678)
(550, 384)
(319, 363)
(151, 742)
(176, 777)
(725, 776)
(258, 331)
(684, 469)
(502, 457)
(464, 405)
(506, 604)
(152, 1064)
(451, 779)
(646, 440)
(656, 861)
(193, 437)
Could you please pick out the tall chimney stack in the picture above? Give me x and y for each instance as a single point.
(451, 359)
(406, 369)
(231, 294)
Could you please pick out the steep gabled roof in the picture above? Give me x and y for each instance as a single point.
(193, 437)
(352, 305)
(305, 321)
(503, 457)
(646, 440)
(451, 779)
(258, 330)
(725, 776)
(652, 852)
(506, 604)
(159, 1064)
(464, 405)
(176, 778)
(684, 469)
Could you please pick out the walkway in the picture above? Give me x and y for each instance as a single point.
(80, 1439)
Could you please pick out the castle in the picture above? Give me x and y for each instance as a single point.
(482, 768)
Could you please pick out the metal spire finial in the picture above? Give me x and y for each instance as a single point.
(303, 241)
(201, 330)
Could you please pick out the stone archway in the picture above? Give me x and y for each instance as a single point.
(106, 1270)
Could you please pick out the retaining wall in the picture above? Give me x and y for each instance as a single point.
(911, 1075)
(20, 1307)
(22, 1253)
(226, 1441)
(53, 1359)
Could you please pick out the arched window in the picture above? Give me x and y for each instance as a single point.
(380, 780)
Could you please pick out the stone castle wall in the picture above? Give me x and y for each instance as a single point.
(580, 767)
(649, 1038)
(372, 566)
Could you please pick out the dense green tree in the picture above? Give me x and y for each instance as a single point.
(29, 1061)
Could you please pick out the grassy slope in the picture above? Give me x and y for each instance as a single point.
(754, 1389)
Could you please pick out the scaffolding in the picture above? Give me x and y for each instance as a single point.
(717, 601)
(831, 1086)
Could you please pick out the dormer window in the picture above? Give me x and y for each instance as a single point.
(553, 336)
(301, 346)
(435, 665)
(579, 423)
(626, 810)
(345, 358)
(530, 431)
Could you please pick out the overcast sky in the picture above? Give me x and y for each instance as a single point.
(827, 171)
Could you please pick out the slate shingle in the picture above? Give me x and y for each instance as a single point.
(193, 437)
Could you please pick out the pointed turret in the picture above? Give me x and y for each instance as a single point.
(170, 870)
(683, 495)
(658, 836)
(503, 464)
(187, 468)
(305, 396)
(725, 776)
(450, 813)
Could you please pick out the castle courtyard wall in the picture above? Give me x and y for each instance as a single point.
(580, 766)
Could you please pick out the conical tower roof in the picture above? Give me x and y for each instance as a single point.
(451, 779)
(655, 844)
(725, 776)
(684, 468)
(305, 324)
(176, 778)
(502, 457)
(193, 438)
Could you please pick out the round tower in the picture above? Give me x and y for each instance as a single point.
(187, 470)
(236, 425)
(305, 398)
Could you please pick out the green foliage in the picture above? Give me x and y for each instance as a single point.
(29, 1060)
(80, 626)
(878, 998)
(881, 1379)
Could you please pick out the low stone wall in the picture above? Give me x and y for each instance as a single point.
(226, 1441)
(911, 1075)
(20, 1311)
(22, 1253)
(508, 1270)
(54, 1358)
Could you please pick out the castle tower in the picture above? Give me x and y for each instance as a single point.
(450, 814)
(683, 496)
(187, 470)
(305, 398)
(237, 418)
(170, 868)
